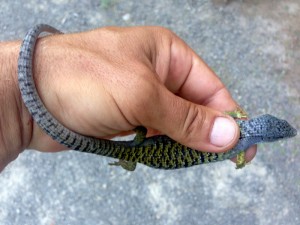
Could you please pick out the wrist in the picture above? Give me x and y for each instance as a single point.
(15, 121)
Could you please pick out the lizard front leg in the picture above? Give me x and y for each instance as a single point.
(239, 113)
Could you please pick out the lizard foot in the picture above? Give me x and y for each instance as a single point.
(240, 160)
(129, 166)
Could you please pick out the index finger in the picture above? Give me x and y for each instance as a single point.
(191, 78)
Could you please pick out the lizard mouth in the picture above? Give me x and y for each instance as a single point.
(293, 132)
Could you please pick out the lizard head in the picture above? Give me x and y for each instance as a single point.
(268, 128)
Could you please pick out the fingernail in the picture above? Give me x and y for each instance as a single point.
(223, 132)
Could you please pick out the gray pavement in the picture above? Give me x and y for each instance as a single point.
(253, 45)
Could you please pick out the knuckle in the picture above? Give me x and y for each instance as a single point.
(194, 121)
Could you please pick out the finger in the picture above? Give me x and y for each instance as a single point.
(250, 153)
(193, 125)
(190, 77)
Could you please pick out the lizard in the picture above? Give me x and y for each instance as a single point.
(158, 151)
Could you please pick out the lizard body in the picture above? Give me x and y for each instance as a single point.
(158, 151)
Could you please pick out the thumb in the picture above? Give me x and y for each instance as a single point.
(193, 125)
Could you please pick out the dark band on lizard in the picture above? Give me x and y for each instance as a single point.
(158, 151)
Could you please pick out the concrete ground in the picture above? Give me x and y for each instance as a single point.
(253, 45)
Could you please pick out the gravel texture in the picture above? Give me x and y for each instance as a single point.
(253, 45)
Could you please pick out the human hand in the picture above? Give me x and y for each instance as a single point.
(106, 81)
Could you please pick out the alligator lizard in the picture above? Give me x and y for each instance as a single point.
(158, 151)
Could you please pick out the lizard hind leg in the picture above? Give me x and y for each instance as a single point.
(240, 160)
(140, 135)
(129, 166)
(139, 138)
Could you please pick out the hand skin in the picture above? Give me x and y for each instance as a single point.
(108, 81)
